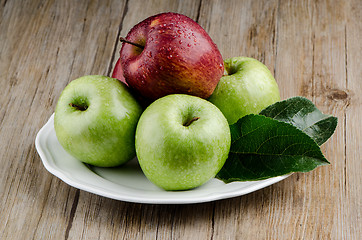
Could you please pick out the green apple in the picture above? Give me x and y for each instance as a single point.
(248, 87)
(95, 121)
(182, 141)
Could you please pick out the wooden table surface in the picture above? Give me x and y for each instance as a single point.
(313, 48)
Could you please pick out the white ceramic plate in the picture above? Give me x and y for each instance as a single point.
(128, 183)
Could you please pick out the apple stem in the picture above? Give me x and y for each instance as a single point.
(186, 124)
(81, 108)
(123, 40)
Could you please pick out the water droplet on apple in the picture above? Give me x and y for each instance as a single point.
(149, 54)
(189, 45)
(179, 31)
(180, 42)
(169, 56)
(161, 68)
(151, 38)
(169, 48)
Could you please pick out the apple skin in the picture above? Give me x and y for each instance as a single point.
(248, 88)
(178, 57)
(95, 121)
(175, 156)
(118, 72)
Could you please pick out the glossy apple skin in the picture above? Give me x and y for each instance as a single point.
(104, 134)
(178, 57)
(118, 72)
(248, 88)
(178, 157)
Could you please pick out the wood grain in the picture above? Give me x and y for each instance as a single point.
(353, 120)
(313, 49)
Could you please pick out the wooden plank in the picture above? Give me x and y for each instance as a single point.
(305, 65)
(353, 120)
(328, 210)
(44, 45)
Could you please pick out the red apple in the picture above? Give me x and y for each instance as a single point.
(170, 53)
(118, 72)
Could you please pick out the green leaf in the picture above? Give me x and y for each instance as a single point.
(262, 148)
(303, 114)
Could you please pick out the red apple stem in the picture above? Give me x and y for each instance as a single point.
(123, 40)
(186, 124)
